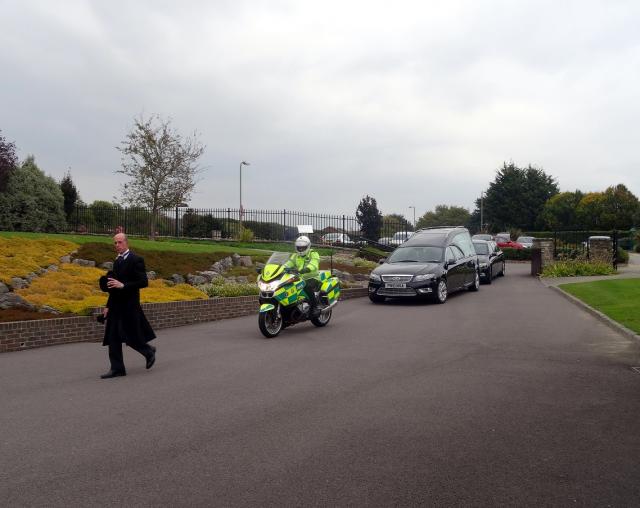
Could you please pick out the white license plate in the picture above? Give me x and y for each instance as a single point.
(395, 285)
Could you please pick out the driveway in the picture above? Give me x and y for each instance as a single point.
(511, 396)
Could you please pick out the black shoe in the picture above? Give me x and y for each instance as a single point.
(151, 359)
(113, 373)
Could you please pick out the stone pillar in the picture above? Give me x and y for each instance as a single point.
(546, 250)
(600, 249)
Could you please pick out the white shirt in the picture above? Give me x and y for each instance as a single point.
(123, 255)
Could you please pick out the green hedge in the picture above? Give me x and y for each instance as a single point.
(517, 254)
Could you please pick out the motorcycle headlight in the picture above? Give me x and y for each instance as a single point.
(423, 277)
(264, 286)
(374, 277)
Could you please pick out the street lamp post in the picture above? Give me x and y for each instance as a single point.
(243, 163)
(414, 217)
(481, 212)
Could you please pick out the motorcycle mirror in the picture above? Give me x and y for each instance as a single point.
(258, 270)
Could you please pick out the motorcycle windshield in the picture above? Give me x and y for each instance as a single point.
(278, 258)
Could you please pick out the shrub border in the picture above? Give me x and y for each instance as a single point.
(21, 335)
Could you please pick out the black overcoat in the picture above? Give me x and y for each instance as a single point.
(125, 320)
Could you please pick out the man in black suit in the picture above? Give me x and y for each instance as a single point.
(125, 321)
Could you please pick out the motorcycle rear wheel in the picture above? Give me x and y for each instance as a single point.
(323, 319)
(270, 323)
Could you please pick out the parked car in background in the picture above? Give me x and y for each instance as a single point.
(504, 242)
(385, 240)
(525, 241)
(337, 239)
(490, 260)
(482, 236)
(400, 237)
(432, 263)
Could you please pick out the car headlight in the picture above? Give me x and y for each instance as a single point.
(426, 276)
(374, 277)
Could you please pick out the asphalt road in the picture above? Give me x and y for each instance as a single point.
(510, 396)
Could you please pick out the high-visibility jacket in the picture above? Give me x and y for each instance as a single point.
(304, 264)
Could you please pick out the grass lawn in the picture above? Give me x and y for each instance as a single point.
(619, 299)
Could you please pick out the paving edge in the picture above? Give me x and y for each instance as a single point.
(597, 314)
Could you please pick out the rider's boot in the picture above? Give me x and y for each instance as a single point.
(314, 312)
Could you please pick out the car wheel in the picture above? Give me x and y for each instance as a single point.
(501, 274)
(489, 278)
(442, 291)
(376, 298)
(476, 283)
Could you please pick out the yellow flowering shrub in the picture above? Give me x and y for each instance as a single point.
(158, 292)
(19, 256)
(75, 289)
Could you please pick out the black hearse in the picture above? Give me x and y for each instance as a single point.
(432, 263)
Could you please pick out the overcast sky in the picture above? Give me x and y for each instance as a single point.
(415, 103)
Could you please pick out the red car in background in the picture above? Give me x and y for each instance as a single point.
(504, 241)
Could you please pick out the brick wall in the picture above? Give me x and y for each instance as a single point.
(20, 335)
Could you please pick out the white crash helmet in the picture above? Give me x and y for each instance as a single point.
(303, 245)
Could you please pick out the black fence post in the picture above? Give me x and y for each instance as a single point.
(284, 225)
(343, 224)
(228, 222)
(615, 249)
(177, 222)
(77, 217)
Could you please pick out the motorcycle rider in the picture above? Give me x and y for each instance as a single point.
(307, 261)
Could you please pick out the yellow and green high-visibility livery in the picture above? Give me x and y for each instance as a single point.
(283, 298)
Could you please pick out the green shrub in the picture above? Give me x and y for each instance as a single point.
(622, 256)
(575, 268)
(246, 235)
(229, 289)
(364, 263)
(517, 254)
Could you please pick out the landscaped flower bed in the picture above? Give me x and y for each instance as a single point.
(75, 289)
(19, 256)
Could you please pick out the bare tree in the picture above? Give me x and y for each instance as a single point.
(161, 164)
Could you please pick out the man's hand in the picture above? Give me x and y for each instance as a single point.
(105, 311)
(114, 284)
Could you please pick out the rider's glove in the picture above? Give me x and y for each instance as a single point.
(305, 270)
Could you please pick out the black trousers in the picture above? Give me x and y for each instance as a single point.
(115, 353)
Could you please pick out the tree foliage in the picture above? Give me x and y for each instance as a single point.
(445, 215)
(560, 212)
(8, 161)
(32, 201)
(70, 194)
(161, 165)
(394, 222)
(516, 197)
(619, 208)
(369, 217)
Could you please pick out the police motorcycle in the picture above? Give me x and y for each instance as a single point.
(283, 300)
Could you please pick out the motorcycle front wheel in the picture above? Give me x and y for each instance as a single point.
(270, 323)
(323, 319)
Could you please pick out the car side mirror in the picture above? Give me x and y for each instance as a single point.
(381, 261)
(450, 262)
(492, 255)
(258, 270)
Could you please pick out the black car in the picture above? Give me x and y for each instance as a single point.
(432, 263)
(491, 260)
